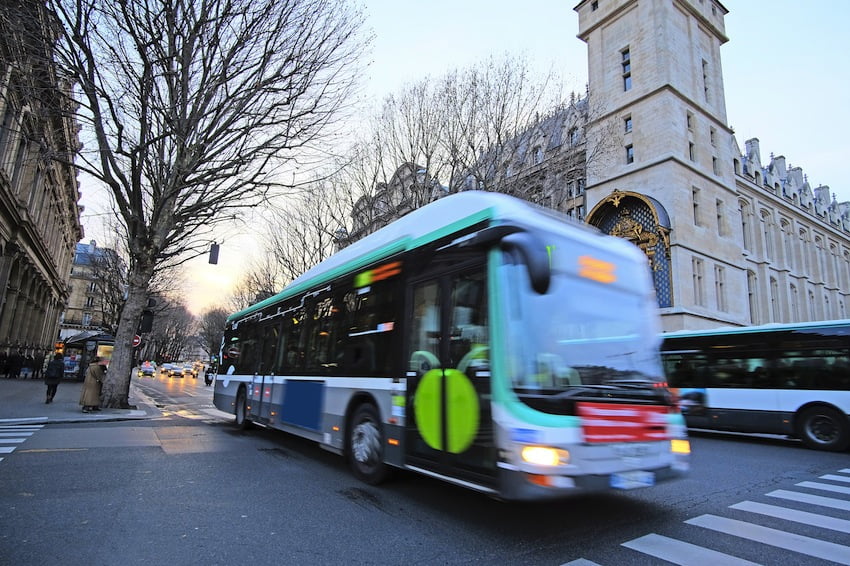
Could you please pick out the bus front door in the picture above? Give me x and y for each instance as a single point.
(449, 423)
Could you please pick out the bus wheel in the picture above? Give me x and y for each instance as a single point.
(241, 411)
(366, 445)
(824, 428)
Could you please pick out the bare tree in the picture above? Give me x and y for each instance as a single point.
(193, 111)
(211, 330)
(109, 271)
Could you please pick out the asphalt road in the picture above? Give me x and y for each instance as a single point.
(187, 488)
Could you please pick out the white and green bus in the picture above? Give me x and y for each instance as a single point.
(480, 340)
(789, 379)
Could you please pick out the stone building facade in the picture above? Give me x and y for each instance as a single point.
(89, 300)
(731, 240)
(39, 210)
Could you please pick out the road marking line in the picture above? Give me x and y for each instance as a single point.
(580, 562)
(833, 477)
(14, 434)
(7, 449)
(683, 553)
(813, 499)
(12, 440)
(795, 515)
(825, 487)
(774, 537)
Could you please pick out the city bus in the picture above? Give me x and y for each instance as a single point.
(788, 379)
(480, 340)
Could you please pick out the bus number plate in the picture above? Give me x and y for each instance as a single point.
(632, 480)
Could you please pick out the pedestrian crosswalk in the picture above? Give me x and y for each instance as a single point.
(819, 513)
(12, 436)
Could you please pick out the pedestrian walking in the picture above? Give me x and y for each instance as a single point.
(90, 395)
(53, 375)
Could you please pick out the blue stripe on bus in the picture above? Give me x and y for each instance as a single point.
(302, 403)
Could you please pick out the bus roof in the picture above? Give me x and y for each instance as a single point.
(422, 226)
(772, 327)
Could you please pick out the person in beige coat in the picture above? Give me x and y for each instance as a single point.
(90, 395)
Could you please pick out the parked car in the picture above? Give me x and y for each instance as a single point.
(147, 369)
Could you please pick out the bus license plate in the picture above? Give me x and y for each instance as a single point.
(632, 480)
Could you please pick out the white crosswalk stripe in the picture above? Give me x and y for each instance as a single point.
(13, 435)
(683, 553)
(686, 554)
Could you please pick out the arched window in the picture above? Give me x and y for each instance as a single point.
(793, 303)
(767, 233)
(774, 301)
(813, 314)
(788, 243)
(819, 267)
(745, 223)
(752, 297)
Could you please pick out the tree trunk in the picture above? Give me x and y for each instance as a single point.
(116, 386)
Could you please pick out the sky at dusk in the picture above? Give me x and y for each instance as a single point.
(784, 75)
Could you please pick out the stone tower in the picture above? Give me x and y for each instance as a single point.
(666, 179)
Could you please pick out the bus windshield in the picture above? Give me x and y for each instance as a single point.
(580, 333)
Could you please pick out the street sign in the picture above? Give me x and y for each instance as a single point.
(137, 340)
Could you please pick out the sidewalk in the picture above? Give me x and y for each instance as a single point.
(22, 402)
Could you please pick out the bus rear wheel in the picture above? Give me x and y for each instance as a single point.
(241, 410)
(824, 428)
(366, 445)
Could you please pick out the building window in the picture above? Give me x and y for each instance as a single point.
(579, 187)
(627, 124)
(626, 63)
(89, 302)
(692, 151)
(695, 205)
(767, 232)
(630, 154)
(689, 120)
(712, 136)
(774, 300)
(715, 165)
(86, 318)
(745, 224)
(538, 155)
(705, 79)
(794, 305)
(574, 136)
(698, 275)
(751, 295)
(720, 287)
(721, 217)
(594, 6)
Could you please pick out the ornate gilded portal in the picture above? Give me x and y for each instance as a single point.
(644, 222)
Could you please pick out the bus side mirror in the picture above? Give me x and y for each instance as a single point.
(535, 257)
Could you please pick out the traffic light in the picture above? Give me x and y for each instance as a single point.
(214, 253)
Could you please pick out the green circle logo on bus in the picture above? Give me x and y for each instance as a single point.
(461, 404)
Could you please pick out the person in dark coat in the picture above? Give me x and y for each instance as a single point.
(53, 375)
(16, 362)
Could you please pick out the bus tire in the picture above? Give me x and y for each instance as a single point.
(241, 421)
(823, 428)
(366, 445)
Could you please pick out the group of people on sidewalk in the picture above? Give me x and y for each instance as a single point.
(19, 365)
(90, 394)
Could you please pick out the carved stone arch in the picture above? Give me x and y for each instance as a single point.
(643, 221)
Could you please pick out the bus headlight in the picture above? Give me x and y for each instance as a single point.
(545, 456)
(680, 446)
